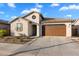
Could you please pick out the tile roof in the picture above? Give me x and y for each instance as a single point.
(56, 20)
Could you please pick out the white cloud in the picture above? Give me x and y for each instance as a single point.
(69, 16)
(37, 8)
(54, 4)
(11, 5)
(39, 5)
(25, 11)
(1, 12)
(13, 17)
(33, 9)
(70, 7)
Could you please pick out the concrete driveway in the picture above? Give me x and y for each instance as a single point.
(8, 48)
(50, 46)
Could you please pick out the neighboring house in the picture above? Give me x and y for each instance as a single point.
(34, 24)
(4, 25)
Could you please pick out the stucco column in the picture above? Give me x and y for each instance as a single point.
(38, 34)
(68, 30)
(39, 30)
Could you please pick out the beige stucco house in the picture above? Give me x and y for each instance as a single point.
(35, 24)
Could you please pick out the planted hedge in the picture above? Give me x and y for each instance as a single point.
(4, 32)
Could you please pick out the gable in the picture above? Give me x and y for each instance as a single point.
(33, 17)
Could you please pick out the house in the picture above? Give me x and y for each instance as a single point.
(35, 24)
(4, 25)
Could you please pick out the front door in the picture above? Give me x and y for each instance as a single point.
(34, 30)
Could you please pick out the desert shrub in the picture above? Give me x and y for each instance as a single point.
(3, 32)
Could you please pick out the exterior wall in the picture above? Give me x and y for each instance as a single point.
(68, 30)
(25, 27)
(37, 20)
(39, 30)
(29, 29)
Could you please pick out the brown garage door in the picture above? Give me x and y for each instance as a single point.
(54, 30)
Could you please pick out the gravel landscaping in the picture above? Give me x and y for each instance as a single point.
(17, 39)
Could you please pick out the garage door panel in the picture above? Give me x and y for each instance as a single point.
(58, 30)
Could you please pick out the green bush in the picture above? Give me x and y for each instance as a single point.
(3, 32)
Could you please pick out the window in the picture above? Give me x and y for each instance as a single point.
(33, 17)
(19, 27)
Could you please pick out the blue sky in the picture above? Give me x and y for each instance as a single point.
(9, 11)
